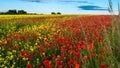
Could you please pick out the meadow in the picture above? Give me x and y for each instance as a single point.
(59, 41)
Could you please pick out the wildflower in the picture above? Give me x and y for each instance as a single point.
(46, 57)
(24, 58)
(101, 58)
(107, 65)
(85, 56)
(31, 48)
(48, 44)
(17, 37)
(40, 37)
(90, 48)
(45, 39)
(60, 39)
(7, 42)
(25, 37)
(28, 43)
(77, 54)
(67, 58)
(47, 63)
(99, 39)
(60, 66)
(77, 65)
(49, 66)
(41, 52)
(92, 55)
(54, 57)
(102, 66)
(71, 62)
(108, 24)
(18, 47)
(54, 42)
(84, 60)
(29, 65)
(23, 54)
(30, 57)
(102, 51)
(83, 46)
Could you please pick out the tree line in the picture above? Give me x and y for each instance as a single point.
(14, 12)
(23, 12)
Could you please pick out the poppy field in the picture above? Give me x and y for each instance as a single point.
(57, 42)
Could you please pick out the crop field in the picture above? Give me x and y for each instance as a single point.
(57, 41)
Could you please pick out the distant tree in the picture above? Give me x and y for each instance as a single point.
(22, 12)
(58, 13)
(1, 13)
(53, 13)
(11, 12)
(14, 12)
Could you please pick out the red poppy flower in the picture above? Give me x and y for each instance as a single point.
(84, 60)
(71, 62)
(83, 46)
(46, 57)
(47, 63)
(49, 66)
(60, 66)
(29, 65)
(101, 58)
(102, 51)
(60, 39)
(30, 57)
(99, 39)
(85, 56)
(54, 57)
(17, 46)
(92, 55)
(17, 37)
(107, 65)
(77, 65)
(23, 54)
(102, 66)
(25, 37)
(90, 48)
(47, 44)
(76, 54)
(41, 52)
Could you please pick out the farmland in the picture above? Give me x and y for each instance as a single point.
(57, 41)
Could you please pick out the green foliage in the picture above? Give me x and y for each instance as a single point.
(58, 13)
(22, 12)
(53, 13)
(11, 12)
(115, 36)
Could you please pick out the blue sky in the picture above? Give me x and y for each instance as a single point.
(63, 6)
